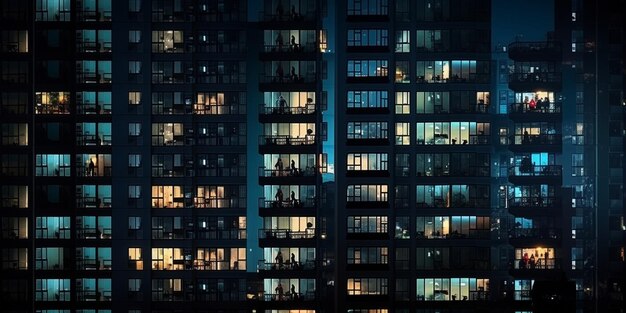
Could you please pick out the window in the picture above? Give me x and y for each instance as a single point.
(134, 129)
(14, 134)
(135, 261)
(367, 7)
(367, 255)
(14, 102)
(367, 224)
(578, 164)
(134, 6)
(402, 195)
(52, 290)
(367, 286)
(13, 41)
(402, 165)
(167, 134)
(403, 230)
(402, 72)
(367, 161)
(367, 38)
(367, 68)
(14, 258)
(14, 196)
(52, 227)
(367, 130)
(134, 192)
(134, 227)
(367, 193)
(52, 165)
(403, 105)
(167, 197)
(363, 99)
(170, 41)
(134, 36)
(91, 72)
(52, 10)
(403, 41)
(403, 134)
(134, 67)
(445, 133)
(134, 289)
(134, 97)
(451, 289)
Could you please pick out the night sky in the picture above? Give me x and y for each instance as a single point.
(529, 18)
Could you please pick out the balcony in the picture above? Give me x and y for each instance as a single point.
(534, 205)
(300, 207)
(535, 237)
(458, 201)
(527, 172)
(531, 267)
(289, 114)
(288, 82)
(289, 51)
(287, 237)
(289, 176)
(305, 269)
(287, 144)
(535, 51)
(472, 78)
(520, 82)
(368, 173)
(295, 18)
(537, 111)
(535, 142)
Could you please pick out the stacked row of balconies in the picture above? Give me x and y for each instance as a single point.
(535, 197)
(290, 145)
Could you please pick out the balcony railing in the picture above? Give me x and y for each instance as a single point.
(539, 107)
(285, 140)
(287, 266)
(535, 170)
(469, 234)
(309, 108)
(309, 171)
(287, 78)
(289, 296)
(542, 139)
(526, 50)
(536, 264)
(286, 234)
(537, 77)
(534, 202)
(286, 15)
(308, 202)
(535, 233)
(290, 48)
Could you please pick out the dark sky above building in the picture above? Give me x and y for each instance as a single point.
(529, 18)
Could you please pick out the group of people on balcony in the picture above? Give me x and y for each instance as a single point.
(292, 77)
(532, 262)
(282, 107)
(280, 13)
(293, 46)
(292, 170)
(292, 201)
(281, 296)
(290, 264)
(537, 104)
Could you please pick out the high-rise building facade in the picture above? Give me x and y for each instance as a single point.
(592, 34)
(413, 148)
(363, 156)
(290, 144)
